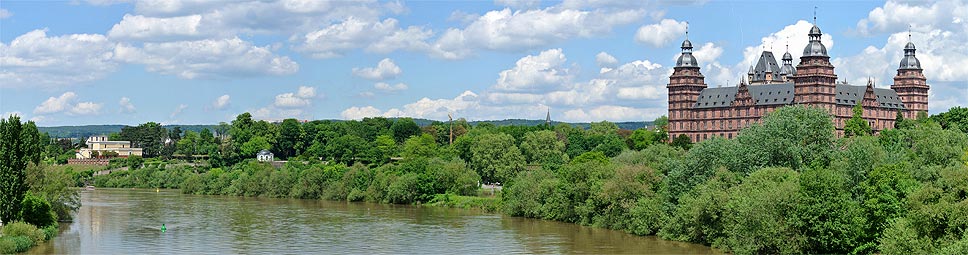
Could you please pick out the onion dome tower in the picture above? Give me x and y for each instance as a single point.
(910, 83)
(787, 71)
(685, 84)
(815, 81)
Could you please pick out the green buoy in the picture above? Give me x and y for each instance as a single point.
(163, 228)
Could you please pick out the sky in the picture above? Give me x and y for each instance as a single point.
(204, 62)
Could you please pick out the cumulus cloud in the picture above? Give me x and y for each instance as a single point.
(358, 113)
(221, 102)
(630, 91)
(56, 104)
(4, 13)
(86, 108)
(37, 59)
(126, 105)
(518, 4)
(354, 33)
(207, 58)
(660, 34)
(605, 61)
(384, 70)
(506, 30)
(138, 27)
(299, 99)
(540, 72)
(386, 87)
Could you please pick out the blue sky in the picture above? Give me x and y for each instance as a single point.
(203, 62)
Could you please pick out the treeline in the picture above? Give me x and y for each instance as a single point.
(33, 198)
(784, 186)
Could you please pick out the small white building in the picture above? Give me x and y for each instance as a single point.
(101, 145)
(264, 156)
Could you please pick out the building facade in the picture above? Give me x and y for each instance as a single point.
(701, 112)
(101, 146)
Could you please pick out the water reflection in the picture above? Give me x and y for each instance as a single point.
(129, 221)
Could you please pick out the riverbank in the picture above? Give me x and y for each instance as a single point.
(19, 237)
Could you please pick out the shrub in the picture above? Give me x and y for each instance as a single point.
(15, 244)
(37, 211)
(19, 228)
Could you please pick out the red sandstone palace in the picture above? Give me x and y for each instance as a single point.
(700, 112)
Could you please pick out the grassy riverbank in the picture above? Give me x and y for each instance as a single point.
(19, 237)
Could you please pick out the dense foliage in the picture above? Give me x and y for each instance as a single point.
(786, 185)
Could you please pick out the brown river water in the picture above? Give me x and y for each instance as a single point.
(121, 221)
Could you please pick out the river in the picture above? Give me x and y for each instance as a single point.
(121, 221)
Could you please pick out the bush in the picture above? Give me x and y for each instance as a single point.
(37, 211)
(19, 228)
(15, 244)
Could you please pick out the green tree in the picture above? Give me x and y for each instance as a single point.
(954, 118)
(827, 215)
(422, 146)
(37, 211)
(149, 136)
(641, 138)
(603, 128)
(856, 125)
(791, 136)
(682, 141)
(495, 158)
(254, 145)
(543, 147)
(385, 148)
(404, 128)
(19, 146)
(290, 142)
(759, 212)
(188, 145)
(347, 149)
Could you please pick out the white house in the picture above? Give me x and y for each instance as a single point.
(101, 145)
(264, 156)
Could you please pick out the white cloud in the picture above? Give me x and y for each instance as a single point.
(301, 98)
(306, 92)
(56, 104)
(137, 27)
(660, 34)
(896, 16)
(354, 33)
(613, 113)
(384, 70)
(86, 108)
(126, 105)
(386, 87)
(358, 113)
(4, 13)
(604, 60)
(207, 58)
(178, 110)
(535, 73)
(506, 30)
(221, 102)
(37, 59)
(518, 4)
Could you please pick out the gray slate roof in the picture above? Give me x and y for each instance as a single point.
(852, 94)
(768, 94)
(767, 63)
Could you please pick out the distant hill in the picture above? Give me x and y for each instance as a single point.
(93, 130)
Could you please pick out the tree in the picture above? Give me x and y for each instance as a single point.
(346, 148)
(290, 138)
(954, 118)
(254, 145)
(682, 141)
(543, 147)
(385, 148)
(19, 146)
(149, 136)
(422, 146)
(495, 158)
(602, 128)
(188, 145)
(791, 136)
(641, 138)
(856, 125)
(404, 128)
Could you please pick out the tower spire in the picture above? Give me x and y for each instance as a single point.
(815, 15)
(687, 30)
(909, 32)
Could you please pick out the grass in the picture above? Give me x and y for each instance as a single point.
(76, 168)
(487, 204)
(19, 237)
